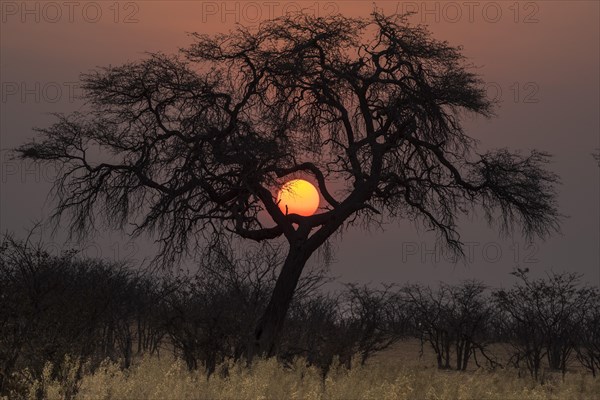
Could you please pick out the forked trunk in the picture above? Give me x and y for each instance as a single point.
(270, 324)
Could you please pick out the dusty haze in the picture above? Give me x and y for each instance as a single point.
(541, 60)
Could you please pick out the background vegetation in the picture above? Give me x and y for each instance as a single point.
(81, 328)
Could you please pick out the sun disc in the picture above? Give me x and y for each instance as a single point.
(298, 197)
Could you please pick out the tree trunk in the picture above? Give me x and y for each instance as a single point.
(269, 326)
(459, 354)
(467, 351)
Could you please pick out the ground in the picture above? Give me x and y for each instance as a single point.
(399, 373)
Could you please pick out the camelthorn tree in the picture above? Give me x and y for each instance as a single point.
(194, 143)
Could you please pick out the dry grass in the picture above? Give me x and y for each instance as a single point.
(384, 378)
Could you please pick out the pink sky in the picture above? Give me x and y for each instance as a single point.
(541, 58)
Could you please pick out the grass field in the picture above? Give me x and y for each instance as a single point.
(397, 374)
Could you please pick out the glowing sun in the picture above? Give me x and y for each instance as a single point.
(298, 197)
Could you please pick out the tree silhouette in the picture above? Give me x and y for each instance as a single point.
(196, 143)
(544, 318)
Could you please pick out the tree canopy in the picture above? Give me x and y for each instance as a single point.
(370, 108)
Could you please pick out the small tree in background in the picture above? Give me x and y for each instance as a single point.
(543, 318)
(469, 317)
(376, 319)
(53, 306)
(588, 338)
(453, 319)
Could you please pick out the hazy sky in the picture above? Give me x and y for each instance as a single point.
(541, 60)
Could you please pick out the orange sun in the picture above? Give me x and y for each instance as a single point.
(298, 197)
